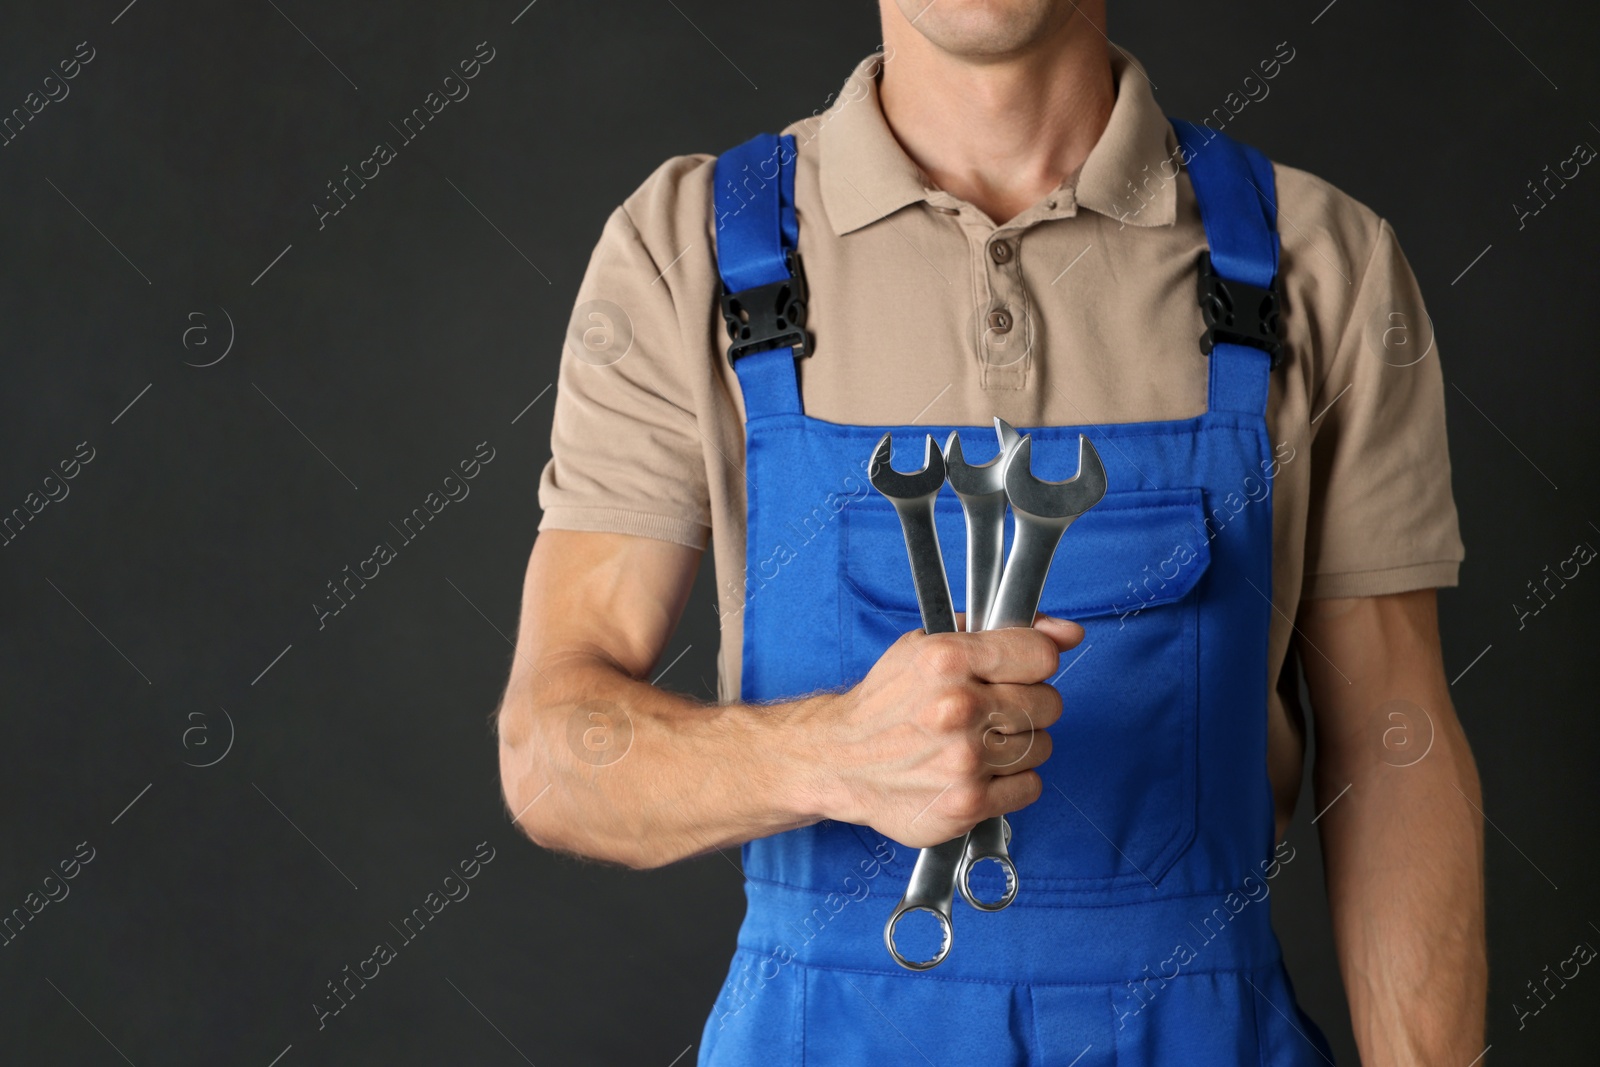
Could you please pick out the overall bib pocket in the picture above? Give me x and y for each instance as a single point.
(1118, 807)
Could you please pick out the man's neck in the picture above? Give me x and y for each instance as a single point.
(998, 132)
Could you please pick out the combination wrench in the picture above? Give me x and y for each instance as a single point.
(1042, 511)
(932, 884)
(982, 492)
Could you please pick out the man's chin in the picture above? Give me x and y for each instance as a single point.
(986, 29)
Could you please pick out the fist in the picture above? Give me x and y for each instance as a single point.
(945, 731)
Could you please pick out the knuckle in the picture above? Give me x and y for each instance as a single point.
(945, 656)
(952, 710)
(967, 763)
(968, 804)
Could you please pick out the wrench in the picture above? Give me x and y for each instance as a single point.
(1042, 511)
(932, 884)
(981, 489)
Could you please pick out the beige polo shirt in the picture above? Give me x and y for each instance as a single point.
(1100, 324)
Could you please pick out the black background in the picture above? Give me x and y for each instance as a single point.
(427, 317)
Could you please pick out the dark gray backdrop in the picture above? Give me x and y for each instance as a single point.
(160, 610)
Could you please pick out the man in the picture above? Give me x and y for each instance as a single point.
(995, 219)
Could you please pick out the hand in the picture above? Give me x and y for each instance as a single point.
(944, 731)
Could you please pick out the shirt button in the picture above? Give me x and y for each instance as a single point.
(1000, 320)
(1000, 251)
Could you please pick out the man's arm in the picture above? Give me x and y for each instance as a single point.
(596, 761)
(1403, 848)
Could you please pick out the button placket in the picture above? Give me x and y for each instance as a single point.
(1007, 334)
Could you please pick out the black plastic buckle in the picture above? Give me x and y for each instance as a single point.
(768, 316)
(1237, 313)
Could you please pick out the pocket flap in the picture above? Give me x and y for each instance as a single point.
(1133, 550)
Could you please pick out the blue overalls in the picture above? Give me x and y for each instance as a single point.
(1142, 932)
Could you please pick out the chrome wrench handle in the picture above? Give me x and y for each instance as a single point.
(1022, 585)
(927, 565)
(986, 532)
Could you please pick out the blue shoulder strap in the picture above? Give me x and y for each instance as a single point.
(1238, 206)
(753, 191)
(753, 194)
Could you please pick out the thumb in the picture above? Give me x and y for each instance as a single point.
(1065, 633)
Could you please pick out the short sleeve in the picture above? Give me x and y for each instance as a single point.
(1381, 518)
(626, 453)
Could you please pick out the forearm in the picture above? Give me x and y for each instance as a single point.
(597, 762)
(601, 764)
(1402, 839)
(1404, 858)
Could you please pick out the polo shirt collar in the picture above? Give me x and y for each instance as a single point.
(865, 175)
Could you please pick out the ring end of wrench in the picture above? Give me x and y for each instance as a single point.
(1007, 867)
(946, 931)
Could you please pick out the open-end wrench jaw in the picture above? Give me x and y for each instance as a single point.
(1054, 501)
(904, 485)
(1007, 433)
(973, 479)
(979, 479)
